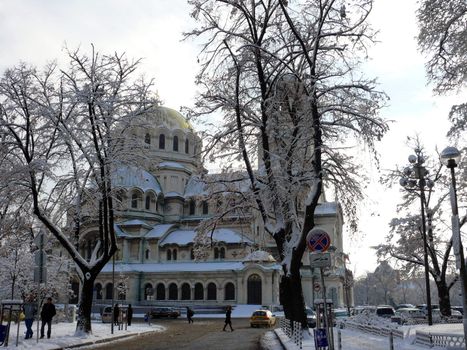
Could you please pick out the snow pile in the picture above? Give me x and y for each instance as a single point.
(63, 335)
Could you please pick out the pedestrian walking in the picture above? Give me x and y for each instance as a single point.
(129, 314)
(116, 314)
(189, 314)
(47, 313)
(228, 320)
(29, 309)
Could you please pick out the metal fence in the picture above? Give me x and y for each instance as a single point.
(293, 330)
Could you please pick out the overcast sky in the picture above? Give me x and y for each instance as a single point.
(37, 31)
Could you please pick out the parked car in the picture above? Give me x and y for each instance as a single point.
(310, 317)
(107, 314)
(456, 314)
(385, 311)
(262, 318)
(169, 312)
(405, 306)
(458, 308)
(405, 315)
(424, 307)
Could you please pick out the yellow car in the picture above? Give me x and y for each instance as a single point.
(262, 318)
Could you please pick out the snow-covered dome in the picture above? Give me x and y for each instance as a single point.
(130, 176)
(170, 118)
(259, 256)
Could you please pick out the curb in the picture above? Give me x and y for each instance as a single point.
(276, 332)
(104, 340)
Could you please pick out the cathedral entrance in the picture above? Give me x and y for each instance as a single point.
(254, 290)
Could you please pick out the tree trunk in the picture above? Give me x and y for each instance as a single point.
(83, 324)
(443, 297)
(291, 298)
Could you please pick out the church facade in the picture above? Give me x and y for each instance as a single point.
(159, 207)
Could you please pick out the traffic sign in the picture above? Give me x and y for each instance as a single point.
(318, 240)
(320, 260)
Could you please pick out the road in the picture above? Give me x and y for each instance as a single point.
(202, 334)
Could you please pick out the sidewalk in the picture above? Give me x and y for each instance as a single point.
(352, 340)
(63, 335)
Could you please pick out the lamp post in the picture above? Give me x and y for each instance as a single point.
(415, 178)
(450, 157)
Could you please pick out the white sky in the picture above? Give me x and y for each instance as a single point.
(36, 31)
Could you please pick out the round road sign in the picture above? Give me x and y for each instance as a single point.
(318, 240)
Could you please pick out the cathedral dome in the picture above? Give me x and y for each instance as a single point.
(259, 256)
(170, 118)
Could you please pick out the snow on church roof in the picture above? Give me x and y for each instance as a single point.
(159, 230)
(130, 176)
(191, 266)
(185, 237)
(327, 208)
(168, 164)
(259, 256)
(134, 222)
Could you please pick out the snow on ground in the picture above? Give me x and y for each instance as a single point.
(356, 340)
(63, 335)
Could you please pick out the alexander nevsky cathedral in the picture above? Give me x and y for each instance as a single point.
(159, 209)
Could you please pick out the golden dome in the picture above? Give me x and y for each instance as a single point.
(170, 118)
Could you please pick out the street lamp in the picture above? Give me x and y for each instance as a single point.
(451, 157)
(415, 178)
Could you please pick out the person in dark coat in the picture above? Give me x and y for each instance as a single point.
(228, 320)
(116, 314)
(47, 313)
(129, 314)
(189, 314)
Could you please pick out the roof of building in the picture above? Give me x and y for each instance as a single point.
(170, 118)
(185, 237)
(327, 208)
(129, 176)
(189, 266)
(259, 256)
(169, 164)
(135, 222)
(159, 230)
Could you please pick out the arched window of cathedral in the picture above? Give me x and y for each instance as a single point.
(147, 139)
(173, 291)
(98, 289)
(121, 291)
(169, 254)
(205, 207)
(161, 141)
(148, 291)
(175, 143)
(119, 198)
(147, 253)
(134, 200)
(187, 146)
(148, 202)
(229, 291)
(216, 253)
(160, 292)
(109, 288)
(192, 207)
(186, 291)
(222, 253)
(212, 291)
(199, 291)
(192, 254)
(174, 254)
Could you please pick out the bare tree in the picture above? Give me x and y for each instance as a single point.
(285, 82)
(441, 37)
(64, 129)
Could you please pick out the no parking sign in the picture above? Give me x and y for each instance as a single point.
(318, 240)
